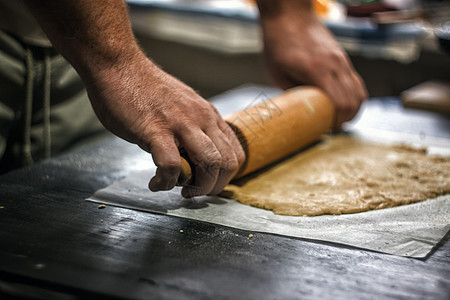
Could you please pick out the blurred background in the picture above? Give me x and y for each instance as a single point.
(215, 45)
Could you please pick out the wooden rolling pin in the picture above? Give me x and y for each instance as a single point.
(276, 128)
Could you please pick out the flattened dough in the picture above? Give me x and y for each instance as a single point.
(345, 175)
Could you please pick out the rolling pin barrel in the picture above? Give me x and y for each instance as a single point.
(278, 127)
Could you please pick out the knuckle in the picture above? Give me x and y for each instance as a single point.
(153, 135)
(240, 157)
(206, 108)
(212, 160)
(338, 56)
(230, 165)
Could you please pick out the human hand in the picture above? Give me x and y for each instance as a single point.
(144, 105)
(135, 99)
(300, 50)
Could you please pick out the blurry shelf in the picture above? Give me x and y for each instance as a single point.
(208, 24)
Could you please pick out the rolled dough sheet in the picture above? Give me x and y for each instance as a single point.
(345, 175)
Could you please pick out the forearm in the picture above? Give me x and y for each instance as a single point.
(285, 16)
(92, 35)
(280, 8)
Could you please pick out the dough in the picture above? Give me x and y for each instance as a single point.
(345, 175)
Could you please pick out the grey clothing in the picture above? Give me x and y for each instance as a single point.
(17, 20)
(44, 108)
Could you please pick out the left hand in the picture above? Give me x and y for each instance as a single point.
(300, 50)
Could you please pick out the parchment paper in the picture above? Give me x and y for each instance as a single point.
(411, 230)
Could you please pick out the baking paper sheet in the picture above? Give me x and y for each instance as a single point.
(411, 230)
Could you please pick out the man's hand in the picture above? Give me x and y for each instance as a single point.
(135, 99)
(146, 106)
(300, 50)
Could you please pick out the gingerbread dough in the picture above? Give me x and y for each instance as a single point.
(345, 175)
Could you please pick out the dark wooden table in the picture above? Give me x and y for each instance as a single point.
(53, 244)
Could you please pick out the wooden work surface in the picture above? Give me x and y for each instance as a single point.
(53, 243)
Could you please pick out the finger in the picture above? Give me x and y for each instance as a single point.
(166, 157)
(333, 89)
(355, 85)
(362, 91)
(235, 143)
(207, 160)
(358, 85)
(229, 165)
(350, 89)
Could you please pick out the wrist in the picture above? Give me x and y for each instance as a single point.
(89, 62)
(98, 66)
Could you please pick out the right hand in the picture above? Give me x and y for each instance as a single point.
(140, 103)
